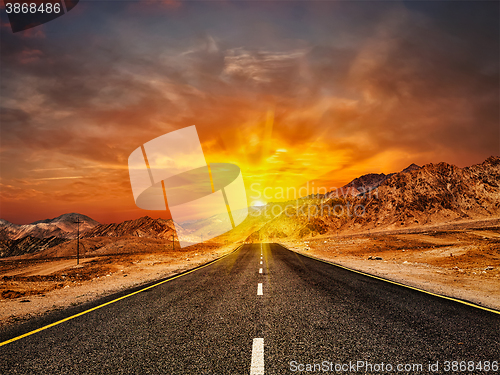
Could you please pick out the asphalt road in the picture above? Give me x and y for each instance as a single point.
(309, 312)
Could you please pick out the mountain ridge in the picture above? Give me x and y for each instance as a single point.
(367, 182)
(433, 193)
(144, 226)
(63, 226)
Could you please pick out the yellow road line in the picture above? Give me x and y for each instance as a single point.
(399, 284)
(115, 300)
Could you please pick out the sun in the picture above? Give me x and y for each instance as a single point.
(257, 204)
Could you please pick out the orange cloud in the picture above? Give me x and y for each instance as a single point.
(288, 104)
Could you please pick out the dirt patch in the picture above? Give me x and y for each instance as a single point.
(486, 234)
(44, 267)
(429, 239)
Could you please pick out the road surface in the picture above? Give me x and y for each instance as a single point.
(262, 309)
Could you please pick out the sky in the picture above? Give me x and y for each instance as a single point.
(290, 91)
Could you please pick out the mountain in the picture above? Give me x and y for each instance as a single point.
(357, 186)
(63, 226)
(27, 245)
(142, 227)
(368, 182)
(362, 184)
(68, 220)
(434, 193)
(43, 234)
(410, 168)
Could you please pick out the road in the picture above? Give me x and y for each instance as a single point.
(215, 321)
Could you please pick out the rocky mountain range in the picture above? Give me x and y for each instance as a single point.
(43, 234)
(433, 193)
(142, 227)
(39, 235)
(63, 226)
(368, 182)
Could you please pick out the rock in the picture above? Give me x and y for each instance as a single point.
(489, 268)
(378, 258)
(370, 258)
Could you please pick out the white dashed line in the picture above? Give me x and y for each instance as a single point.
(260, 262)
(259, 290)
(260, 270)
(257, 366)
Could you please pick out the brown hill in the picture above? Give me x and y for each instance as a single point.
(142, 227)
(27, 245)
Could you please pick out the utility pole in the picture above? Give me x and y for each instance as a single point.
(78, 241)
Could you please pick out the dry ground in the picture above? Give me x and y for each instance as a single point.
(460, 263)
(32, 286)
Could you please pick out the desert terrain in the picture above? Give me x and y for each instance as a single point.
(435, 227)
(34, 285)
(459, 260)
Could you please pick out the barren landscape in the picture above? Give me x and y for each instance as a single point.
(435, 227)
(33, 286)
(460, 260)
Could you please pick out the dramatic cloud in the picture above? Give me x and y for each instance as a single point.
(289, 92)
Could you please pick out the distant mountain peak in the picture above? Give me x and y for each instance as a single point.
(493, 160)
(63, 226)
(411, 167)
(68, 218)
